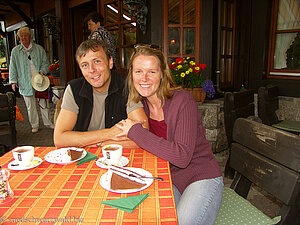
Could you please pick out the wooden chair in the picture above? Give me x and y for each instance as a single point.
(236, 104)
(7, 120)
(268, 103)
(269, 158)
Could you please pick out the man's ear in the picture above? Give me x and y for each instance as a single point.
(111, 63)
(98, 24)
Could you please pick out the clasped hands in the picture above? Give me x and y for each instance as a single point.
(125, 126)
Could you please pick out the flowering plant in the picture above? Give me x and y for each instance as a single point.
(54, 67)
(188, 74)
(208, 88)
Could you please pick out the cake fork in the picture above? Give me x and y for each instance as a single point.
(154, 178)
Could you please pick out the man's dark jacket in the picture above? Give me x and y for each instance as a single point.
(115, 102)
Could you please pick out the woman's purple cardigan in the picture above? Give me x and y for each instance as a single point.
(186, 147)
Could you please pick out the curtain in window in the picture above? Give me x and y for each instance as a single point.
(288, 19)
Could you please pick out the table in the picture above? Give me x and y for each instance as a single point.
(72, 193)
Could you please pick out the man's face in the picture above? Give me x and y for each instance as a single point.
(25, 39)
(92, 25)
(96, 69)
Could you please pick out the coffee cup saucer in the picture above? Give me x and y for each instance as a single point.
(14, 165)
(101, 162)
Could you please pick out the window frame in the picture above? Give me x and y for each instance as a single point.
(278, 73)
(120, 46)
(227, 50)
(181, 25)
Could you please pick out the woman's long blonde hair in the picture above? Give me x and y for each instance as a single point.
(166, 82)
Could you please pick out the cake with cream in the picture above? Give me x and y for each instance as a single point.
(120, 179)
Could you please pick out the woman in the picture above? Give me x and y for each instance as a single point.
(175, 134)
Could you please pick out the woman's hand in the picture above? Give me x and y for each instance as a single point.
(125, 126)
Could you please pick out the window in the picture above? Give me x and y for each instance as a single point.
(122, 28)
(227, 34)
(182, 29)
(284, 53)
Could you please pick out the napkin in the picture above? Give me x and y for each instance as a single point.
(127, 204)
(89, 157)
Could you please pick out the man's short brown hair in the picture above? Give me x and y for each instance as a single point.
(93, 45)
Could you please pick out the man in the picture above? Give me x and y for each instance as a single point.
(28, 59)
(93, 104)
(94, 21)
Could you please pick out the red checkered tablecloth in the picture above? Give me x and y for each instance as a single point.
(66, 194)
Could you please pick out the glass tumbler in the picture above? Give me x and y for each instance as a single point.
(6, 193)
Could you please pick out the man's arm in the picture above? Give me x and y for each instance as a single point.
(64, 136)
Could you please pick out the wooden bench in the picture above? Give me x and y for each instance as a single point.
(236, 105)
(269, 158)
(268, 103)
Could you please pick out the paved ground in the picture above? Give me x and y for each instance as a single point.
(44, 137)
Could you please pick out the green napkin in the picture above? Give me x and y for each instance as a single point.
(127, 204)
(89, 157)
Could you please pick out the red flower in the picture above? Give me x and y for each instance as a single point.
(179, 60)
(172, 65)
(202, 66)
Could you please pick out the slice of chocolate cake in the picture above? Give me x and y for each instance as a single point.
(121, 180)
(75, 154)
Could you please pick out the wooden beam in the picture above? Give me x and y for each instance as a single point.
(20, 12)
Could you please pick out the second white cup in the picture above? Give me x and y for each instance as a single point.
(23, 155)
(112, 153)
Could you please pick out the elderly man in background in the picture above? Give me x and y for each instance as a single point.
(27, 60)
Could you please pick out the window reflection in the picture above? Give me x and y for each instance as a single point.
(189, 11)
(129, 35)
(174, 11)
(111, 12)
(174, 41)
(188, 41)
(114, 32)
(126, 56)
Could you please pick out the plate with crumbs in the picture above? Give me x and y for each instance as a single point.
(65, 156)
(105, 180)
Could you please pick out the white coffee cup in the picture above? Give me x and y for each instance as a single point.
(112, 153)
(23, 155)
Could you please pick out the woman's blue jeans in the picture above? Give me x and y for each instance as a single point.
(200, 202)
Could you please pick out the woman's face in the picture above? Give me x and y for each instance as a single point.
(146, 74)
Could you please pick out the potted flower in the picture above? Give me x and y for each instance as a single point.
(188, 75)
(54, 68)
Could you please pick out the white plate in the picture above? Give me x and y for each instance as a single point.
(105, 181)
(59, 156)
(102, 164)
(18, 167)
